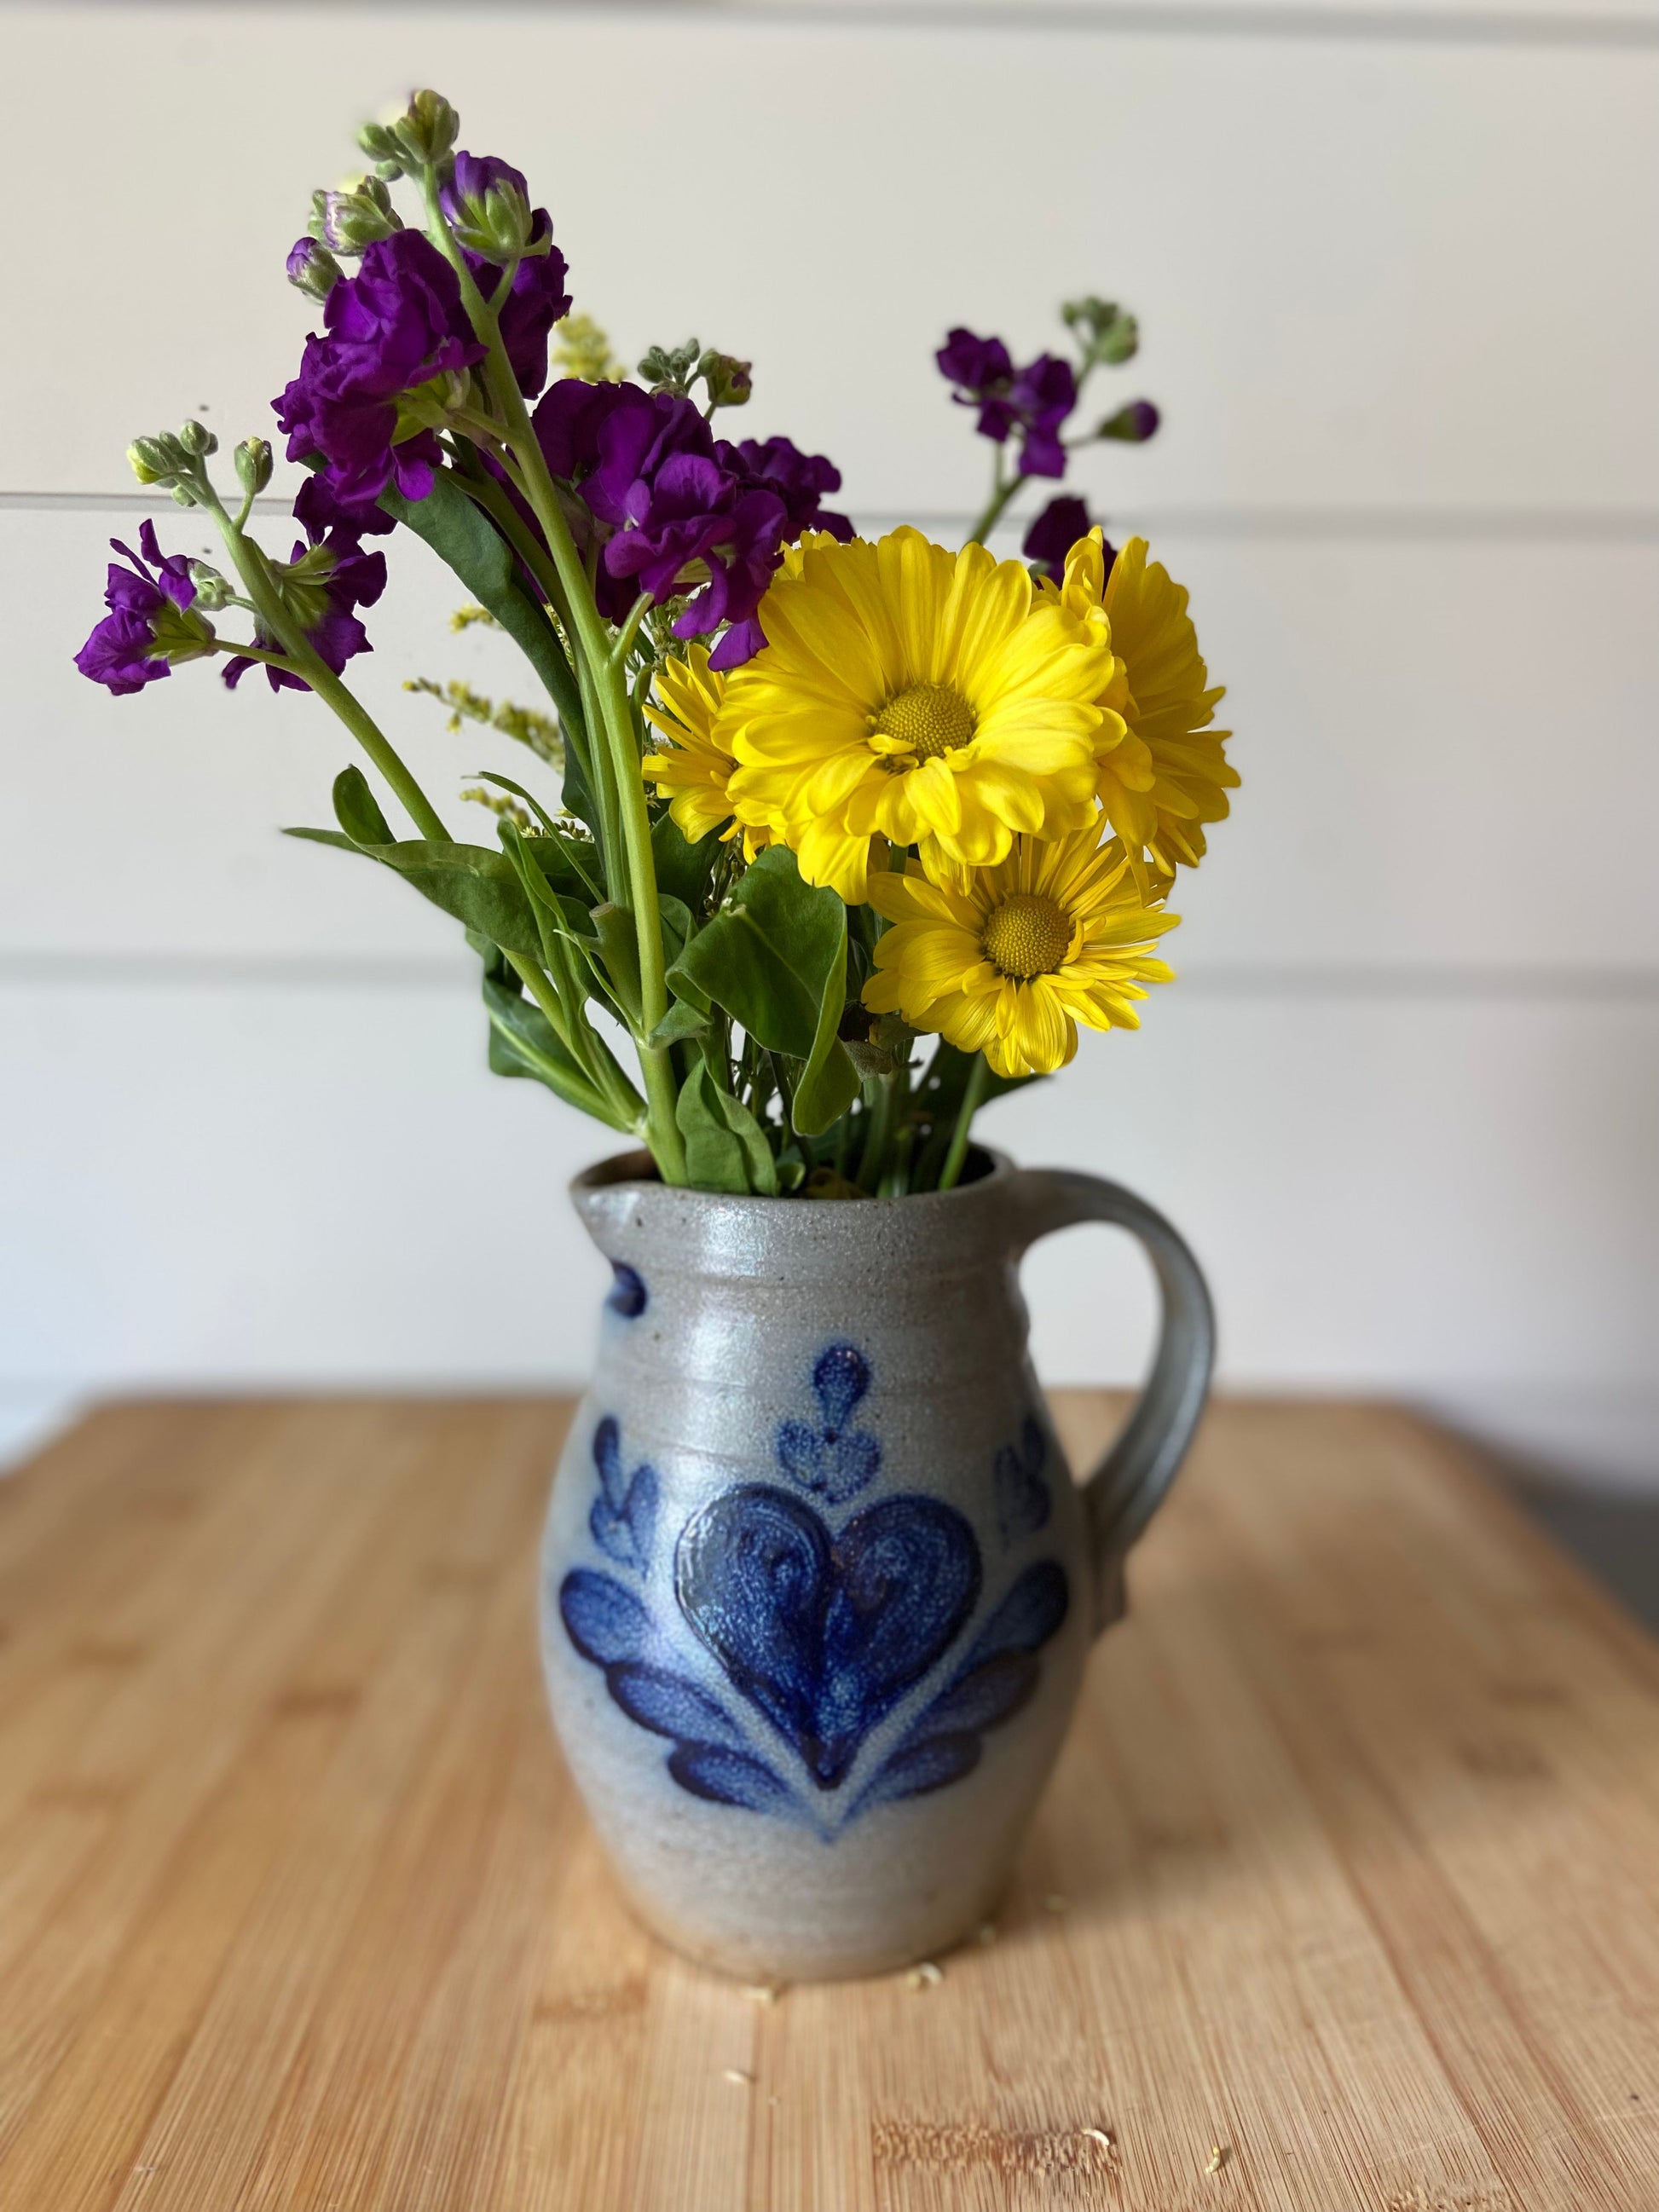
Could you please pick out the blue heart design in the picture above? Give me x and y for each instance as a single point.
(824, 1635)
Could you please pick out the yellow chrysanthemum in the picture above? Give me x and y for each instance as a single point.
(693, 774)
(1171, 776)
(915, 694)
(1010, 964)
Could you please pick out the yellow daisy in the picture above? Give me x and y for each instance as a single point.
(1009, 965)
(1171, 776)
(693, 772)
(918, 695)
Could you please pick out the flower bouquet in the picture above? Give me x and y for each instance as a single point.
(805, 799)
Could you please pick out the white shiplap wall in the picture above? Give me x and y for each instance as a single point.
(1397, 276)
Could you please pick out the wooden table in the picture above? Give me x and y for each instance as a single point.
(1343, 1896)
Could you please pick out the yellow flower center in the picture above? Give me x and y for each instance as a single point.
(1027, 935)
(930, 718)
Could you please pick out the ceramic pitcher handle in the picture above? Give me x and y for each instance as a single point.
(1122, 1495)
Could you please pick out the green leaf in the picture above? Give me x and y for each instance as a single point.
(771, 956)
(522, 1042)
(714, 1157)
(756, 1152)
(681, 1020)
(479, 887)
(682, 869)
(675, 926)
(829, 1082)
(725, 1148)
(463, 536)
(357, 809)
(506, 783)
(619, 950)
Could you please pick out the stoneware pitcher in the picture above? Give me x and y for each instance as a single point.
(817, 1585)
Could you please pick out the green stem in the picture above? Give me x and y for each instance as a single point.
(249, 563)
(610, 681)
(879, 1105)
(972, 1098)
(1003, 489)
(603, 1103)
(631, 629)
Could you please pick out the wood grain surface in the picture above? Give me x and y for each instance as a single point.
(1343, 1895)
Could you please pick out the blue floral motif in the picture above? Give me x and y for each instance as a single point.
(628, 1295)
(608, 1625)
(1024, 1503)
(1000, 1674)
(831, 1460)
(623, 1518)
(822, 1633)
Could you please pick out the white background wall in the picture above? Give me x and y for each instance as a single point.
(1397, 278)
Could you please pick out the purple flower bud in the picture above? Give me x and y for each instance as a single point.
(149, 624)
(312, 268)
(1134, 424)
(464, 197)
(347, 220)
(472, 176)
(1055, 530)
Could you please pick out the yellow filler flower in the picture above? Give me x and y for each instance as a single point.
(915, 694)
(693, 772)
(1009, 965)
(1171, 776)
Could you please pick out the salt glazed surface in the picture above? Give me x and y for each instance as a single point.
(823, 1627)
(817, 1585)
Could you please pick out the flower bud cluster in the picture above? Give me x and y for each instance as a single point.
(728, 382)
(355, 217)
(173, 460)
(421, 137)
(1106, 332)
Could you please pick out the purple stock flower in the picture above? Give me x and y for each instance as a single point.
(801, 480)
(978, 365)
(317, 510)
(148, 605)
(1042, 396)
(677, 510)
(635, 444)
(323, 583)
(1055, 530)
(1034, 400)
(568, 420)
(396, 325)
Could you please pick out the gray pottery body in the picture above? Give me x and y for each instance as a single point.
(817, 1585)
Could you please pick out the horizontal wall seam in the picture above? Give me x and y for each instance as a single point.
(1364, 979)
(1192, 20)
(1478, 525)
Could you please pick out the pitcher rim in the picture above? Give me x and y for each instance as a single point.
(621, 1172)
